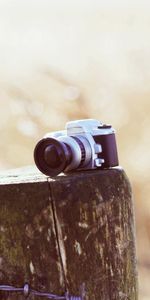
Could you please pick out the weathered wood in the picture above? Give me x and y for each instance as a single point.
(74, 232)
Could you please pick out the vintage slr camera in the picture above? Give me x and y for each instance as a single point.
(85, 144)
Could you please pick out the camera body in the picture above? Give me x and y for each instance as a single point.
(85, 144)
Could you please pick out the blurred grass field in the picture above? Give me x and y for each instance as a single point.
(66, 60)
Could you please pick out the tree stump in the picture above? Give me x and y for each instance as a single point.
(74, 232)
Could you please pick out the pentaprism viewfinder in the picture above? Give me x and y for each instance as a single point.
(85, 144)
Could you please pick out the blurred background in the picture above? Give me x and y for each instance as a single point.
(62, 60)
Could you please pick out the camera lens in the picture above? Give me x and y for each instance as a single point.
(52, 156)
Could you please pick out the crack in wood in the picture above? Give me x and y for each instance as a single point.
(57, 230)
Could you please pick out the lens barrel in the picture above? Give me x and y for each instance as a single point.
(52, 156)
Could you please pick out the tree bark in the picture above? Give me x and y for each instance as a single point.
(74, 232)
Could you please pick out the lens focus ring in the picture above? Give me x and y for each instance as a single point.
(82, 148)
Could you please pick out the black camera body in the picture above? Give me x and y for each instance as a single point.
(85, 144)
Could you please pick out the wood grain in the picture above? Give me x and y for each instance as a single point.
(73, 232)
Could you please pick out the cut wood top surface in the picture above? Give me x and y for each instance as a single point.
(32, 174)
